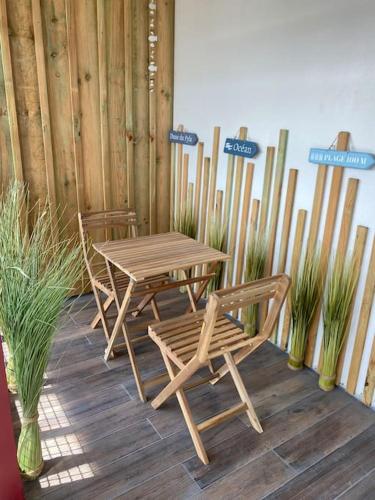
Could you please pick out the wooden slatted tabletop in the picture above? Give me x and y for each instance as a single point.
(148, 256)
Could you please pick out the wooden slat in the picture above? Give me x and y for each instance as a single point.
(129, 106)
(153, 14)
(198, 181)
(278, 184)
(267, 182)
(213, 171)
(9, 93)
(368, 392)
(317, 207)
(172, 187)
(346, 221)
(228, 192)
(330, 224)
(244, 222)
(44, 109)
(233, 224)
(75, 104)
(103, 100)
(164, 28)
(359, 248)
(180, 153)
(254, 218)
(362, 326)
(296, 256)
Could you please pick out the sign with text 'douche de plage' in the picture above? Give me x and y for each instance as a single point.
(187, 138)
(349, 159)
(238, 147)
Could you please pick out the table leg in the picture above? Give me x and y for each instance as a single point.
(120, 324)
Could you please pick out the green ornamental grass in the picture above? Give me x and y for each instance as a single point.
(256, 257)
(339, 296)
(305, 296)
(37, 274)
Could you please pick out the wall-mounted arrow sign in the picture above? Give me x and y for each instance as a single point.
(187, 138)
(351, 159)
(238, 147)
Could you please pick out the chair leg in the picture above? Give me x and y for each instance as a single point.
(185, 408)
(242, 392)
(97, 319)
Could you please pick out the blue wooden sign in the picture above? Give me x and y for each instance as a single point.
(351, 159)
(238, 147)
(187, 138)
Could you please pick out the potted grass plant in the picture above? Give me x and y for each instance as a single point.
(305, 295)
(216, 239)
(256, 256)
(37, 274)
(342, 283)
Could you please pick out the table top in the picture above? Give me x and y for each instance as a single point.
(149, 256)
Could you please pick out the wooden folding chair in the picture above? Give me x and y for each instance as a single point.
(101, 282)
(191, 341)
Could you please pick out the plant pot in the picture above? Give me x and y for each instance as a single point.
(11, 376)
(295, 363)
(29, 451)
(327, 382)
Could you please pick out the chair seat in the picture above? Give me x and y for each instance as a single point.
(179, 337)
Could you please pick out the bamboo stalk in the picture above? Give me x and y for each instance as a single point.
(184, 182)
(244, 221)
(267, 181)
(190, 194)
(235, 210)
(202, 224)
(180, 153)
(254, 214)
(330, 223)
(219, 206)
(228, 194)
(363, 322)
(296, 256)
(285, 231)
(198, 181)
(317, 207)
(172, 187)
(359, 248)
(368, 392)
(213, 171)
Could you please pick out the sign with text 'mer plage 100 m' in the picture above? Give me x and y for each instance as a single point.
(187, 138)
(351, 159)
(238, 147)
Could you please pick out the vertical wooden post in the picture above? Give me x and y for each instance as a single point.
(219, 206)
(129, 107)
(213, 171)
(267, 181)
(198, 182)
(153, 14)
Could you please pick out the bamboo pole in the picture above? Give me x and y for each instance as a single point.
(198, 181)
(228, 193)
(359, 248)
(190, 194)
(235, 210)
(267, 181)
(103, 98)
(172, 187)
(219, 206)
(296, 256)
(184, 185)
(44, 111)
(129, 106)
(285, 231)
(202, 224)
(254, 215)
(180, 152)
(346, 221)
(213, 171)
(317, 207)
(363, 322)
(9, 93)
(244, 221)
(330, 223)
(368, 392)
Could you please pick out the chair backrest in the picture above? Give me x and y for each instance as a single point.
(105, 220)
(273, 288)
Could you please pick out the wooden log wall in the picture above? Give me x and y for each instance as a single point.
(243, 213)
(86, 104)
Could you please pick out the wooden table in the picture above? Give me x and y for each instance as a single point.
(152, 256)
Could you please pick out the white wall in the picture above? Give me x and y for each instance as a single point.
(268, 64)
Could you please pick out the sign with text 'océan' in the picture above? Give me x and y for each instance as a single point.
(351, 159)
(187, 138)
(238, 147)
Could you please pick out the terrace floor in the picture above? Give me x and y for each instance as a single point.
(101, 442)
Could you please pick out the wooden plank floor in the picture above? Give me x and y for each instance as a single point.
(101, 442)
